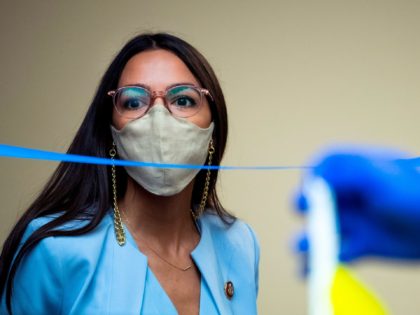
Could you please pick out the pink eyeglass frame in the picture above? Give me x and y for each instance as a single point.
(162, 94)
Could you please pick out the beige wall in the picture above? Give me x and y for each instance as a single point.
(297, 75)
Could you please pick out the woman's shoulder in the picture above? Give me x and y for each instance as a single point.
(68, 254)
(78, 242)
(71, 224)
(230, 226)
(237, 233)
(55, 271)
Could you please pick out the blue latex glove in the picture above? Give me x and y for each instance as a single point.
(378, 202)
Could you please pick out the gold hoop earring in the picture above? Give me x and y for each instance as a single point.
(118, 226)
(203, 202)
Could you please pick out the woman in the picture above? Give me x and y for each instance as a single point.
(113, 240)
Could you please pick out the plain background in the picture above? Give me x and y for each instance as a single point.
(298, 75)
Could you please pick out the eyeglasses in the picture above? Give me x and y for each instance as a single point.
(181, 100)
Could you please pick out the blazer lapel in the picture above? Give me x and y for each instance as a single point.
(212, 266)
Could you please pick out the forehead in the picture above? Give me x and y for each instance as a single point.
(157, 69)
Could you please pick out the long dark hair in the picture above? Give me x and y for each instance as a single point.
(75, 189)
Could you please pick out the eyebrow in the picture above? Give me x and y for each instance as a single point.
(138, 84)
(181, 83)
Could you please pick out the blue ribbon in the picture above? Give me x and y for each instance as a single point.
(11, 151)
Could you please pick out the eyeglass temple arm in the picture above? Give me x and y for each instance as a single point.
(207, 93)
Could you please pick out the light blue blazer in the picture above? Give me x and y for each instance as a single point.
(92, 274)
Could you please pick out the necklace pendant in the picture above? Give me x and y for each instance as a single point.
(184, 269)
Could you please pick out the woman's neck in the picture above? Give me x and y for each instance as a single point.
(165, 222)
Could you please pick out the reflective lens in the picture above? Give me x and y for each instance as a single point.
(183, 100)
(132, 101)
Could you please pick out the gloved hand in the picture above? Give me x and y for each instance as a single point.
(378, 202)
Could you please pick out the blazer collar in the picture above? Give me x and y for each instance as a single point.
(213, 265)
(129, 269)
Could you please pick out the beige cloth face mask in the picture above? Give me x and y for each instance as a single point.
(159, 137)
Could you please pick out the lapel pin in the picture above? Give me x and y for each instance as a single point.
(229, 290)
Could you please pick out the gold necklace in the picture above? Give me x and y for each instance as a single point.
(153, 250)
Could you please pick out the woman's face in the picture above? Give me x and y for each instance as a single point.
(159, 69)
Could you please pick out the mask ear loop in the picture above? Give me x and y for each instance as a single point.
(118, 226)
(203, 202)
